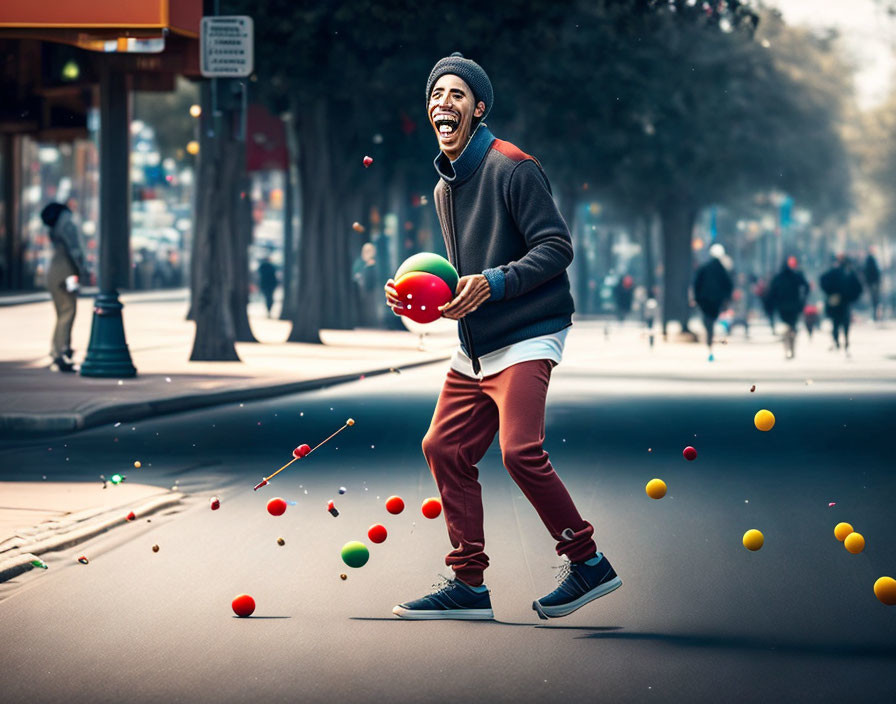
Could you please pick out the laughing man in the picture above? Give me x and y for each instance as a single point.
(511, 247)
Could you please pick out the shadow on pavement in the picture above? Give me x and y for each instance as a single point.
(395, 619)
(807, 647)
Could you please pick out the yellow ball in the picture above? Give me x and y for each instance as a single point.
(764, 420)
(656, 488)
(753, 539)
(137, 464)
(885, 590)
(841, 530)
(855, 543)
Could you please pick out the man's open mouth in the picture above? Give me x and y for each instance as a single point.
(446, 123)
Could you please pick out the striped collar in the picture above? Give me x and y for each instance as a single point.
(459, 170)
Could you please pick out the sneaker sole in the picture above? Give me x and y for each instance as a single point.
(546, 612)
(459, 614)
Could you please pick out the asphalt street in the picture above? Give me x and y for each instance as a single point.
(699, 618)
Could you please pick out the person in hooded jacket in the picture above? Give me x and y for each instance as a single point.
(842, 288)
(712, 287)
(789, 291)
(67, 271)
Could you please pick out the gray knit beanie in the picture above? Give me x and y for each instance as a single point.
(471, 73)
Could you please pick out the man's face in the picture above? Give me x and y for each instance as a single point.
(451, 113)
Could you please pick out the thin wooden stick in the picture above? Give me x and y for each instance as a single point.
(267, 479)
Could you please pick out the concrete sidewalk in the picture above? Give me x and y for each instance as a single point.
(34, 400)
(42, 517)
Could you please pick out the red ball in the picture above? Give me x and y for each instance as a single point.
(689, 453)
(277, 507)
(243, 605)
(215, 503)
(431, 508)
(394, 504)
(301, 451)
(377, 533)
(421, 294)
(367, 161)
(131, 516)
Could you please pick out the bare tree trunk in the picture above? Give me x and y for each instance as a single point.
(295, 224)
(579, 275)
(318, 283)
(242, 218)
(213, 245)
(677, 217)
(643, 226)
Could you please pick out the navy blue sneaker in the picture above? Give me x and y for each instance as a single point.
(579, 584)
(451, 599)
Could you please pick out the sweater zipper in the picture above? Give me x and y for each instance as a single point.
(464, 326)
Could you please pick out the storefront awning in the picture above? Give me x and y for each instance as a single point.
(102, 25)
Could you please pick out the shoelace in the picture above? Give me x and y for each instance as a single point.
(563, 570)
(443, 585)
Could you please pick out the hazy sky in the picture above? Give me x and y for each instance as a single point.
(869, 35)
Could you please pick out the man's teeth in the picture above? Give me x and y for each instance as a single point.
(446, 128)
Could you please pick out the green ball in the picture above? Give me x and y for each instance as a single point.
(431, 264)
(355, 554)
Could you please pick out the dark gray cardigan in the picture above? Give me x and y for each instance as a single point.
(499, 219)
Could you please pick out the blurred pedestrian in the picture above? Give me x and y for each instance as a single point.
(842, 288)
(789, 291)
(67, 269)
(623, 293)
(364, 274)
(513, 305)
(871, 273)
(764, 294)
(712, 288)
(267, 282)
(810, 317)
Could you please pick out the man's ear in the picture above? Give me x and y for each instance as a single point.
(480, 109)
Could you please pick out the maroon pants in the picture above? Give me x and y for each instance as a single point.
(467, 416)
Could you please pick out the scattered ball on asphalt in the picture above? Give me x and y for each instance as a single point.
(367, 161)
(243, 605)
(357, 227)
(355, 554)
(689, 453)
(432, 507)
(841, 530)
(753, 540)
(885, 590)
(131, 516)
(281, 541)
(301, 451)
(764, 420)
(752, 388)
(394, 505)
(276, 506)
(656, 488)
(377, 533)
(342, 490)
(83, 560)
(343, 576)
(137, 464)
(155, 548)
(854, 543)
(215, 503)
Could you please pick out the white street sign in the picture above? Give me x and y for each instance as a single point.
(226, 46)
